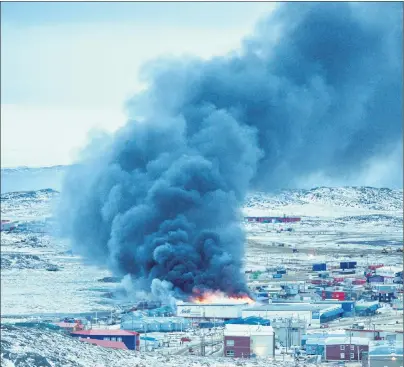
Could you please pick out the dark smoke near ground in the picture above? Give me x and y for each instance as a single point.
(317, 90)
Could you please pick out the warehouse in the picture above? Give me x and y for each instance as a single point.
(155, 324)
(245, 341)
(289, 331)
(312, 313)
(211, 310)
(366, 308)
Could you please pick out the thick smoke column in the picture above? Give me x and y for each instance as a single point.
(316, 91)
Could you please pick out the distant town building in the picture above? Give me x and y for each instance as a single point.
(245, 341)
(385, 354)
(129, 338)
(345, 348)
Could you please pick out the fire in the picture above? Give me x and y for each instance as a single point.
(220, 297)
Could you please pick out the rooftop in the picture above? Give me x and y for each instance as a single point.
(187, 304)
(289, 306)
(247, 330)
(105, 332)
(383, 347)
(105, 343)
(346, 340)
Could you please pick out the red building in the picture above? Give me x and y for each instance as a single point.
(345, 348)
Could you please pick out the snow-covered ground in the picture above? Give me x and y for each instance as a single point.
(33, 347)
(39, 273)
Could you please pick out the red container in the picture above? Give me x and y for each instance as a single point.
(374, 267)
(338, 295)
(359, 281)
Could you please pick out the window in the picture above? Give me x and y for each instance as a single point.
(342, 347)
(342, 356)
(230, 343)
(230, 353)
(113, 339)
(352, 347)
(106, 338)
(119, 339)
(352, 356)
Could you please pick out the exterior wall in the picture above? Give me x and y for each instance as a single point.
(269, 315)
(262, 345)
(241, 346)
(210, 311)
(370, 334)
(333, 352)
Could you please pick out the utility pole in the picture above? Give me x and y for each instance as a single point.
(202, 344)
(350, 342)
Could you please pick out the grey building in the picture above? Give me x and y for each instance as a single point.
(386, 354)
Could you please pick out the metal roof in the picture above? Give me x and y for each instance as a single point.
(105, 343)
(105, 332)
(346, 340)
(289, 307)
(380, 348)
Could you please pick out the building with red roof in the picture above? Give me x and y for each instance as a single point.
(105, 343)
(129, 338)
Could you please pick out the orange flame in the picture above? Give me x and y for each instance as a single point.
(219, 297)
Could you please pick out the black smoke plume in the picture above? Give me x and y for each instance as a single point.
(317, 90)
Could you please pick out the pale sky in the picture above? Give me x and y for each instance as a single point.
(68, 68)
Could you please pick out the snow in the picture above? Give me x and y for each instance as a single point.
(337, 224)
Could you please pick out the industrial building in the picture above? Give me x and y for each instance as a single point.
(129, 338)
(143, 324)
(210, 311)
(289, 331)
(366, 308)
(312, 313)
(245, 341)
(345, 348)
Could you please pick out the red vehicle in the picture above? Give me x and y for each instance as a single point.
(185, 339)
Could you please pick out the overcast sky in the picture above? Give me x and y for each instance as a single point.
(69, 67)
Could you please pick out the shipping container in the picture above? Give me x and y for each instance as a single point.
(338, 295)
(319, 267)
(348, 264)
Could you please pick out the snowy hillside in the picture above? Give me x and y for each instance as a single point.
(28, 179)
(35, 347)
(27, 204)
(323, 201)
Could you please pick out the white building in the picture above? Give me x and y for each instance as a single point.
(211, 310)
(312, 314)
(244, 341)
